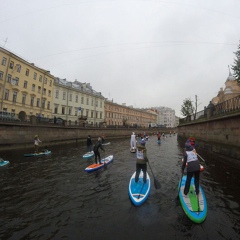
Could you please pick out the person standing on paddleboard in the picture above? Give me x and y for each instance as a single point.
(193, 167)
(89, 144)
(36, 143)
(133, 141)
(141, 161)
(98, 145)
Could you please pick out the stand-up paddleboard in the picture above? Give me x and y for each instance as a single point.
(88, 154)
(158, 141)
(139, 192)
(195, 206)
(37, 154)
(4, 163)
(107, 143)
(201, 166)
(133, 149)
(95, 167)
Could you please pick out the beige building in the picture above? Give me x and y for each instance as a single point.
(231, 90)
(121, 115)
(76, 101)
(25, 89)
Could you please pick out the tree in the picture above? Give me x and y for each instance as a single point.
(236, 66)
(187, 107)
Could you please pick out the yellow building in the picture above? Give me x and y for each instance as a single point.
(25, 89)
(121, 115)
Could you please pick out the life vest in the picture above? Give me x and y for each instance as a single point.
(140, 154)
(191, 156)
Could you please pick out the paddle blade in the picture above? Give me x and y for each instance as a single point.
(105, 166)
(157, 184)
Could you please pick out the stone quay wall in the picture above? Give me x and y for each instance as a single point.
(15, 135)
(220, 135)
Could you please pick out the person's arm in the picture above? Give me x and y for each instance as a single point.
(184, 162)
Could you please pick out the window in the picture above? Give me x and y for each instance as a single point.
(56, 109)
(76, 99)
(87, 101)
(64, 95)
(6, 95)
(18, 66)
(14, 96)
(4, 61)
(33, 87)
(24, 96)
(9, 78)
(39, 89)
(50, 83)
(76, 112)
(25, 84)
(35, 76)
(49, 93)
(70, 111)
(40, 78)
(44, 91)
(101, 115)
(27, 72)
(48, 105)
(11, 64)
(96, 114)
(1, 75)
(96, 103)
(100, 104)
(17, 81)
(57, 93)
(38, 102)
(82, 100)
(63, 110)
(43, 103)
(32, 101)
(91, 114)
(45, 80)
(70, 97)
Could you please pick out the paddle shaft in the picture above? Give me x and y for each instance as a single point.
(156, 183)
(201, 157)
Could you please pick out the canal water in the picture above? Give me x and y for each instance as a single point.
(53, 198)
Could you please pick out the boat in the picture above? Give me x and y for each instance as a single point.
(195, 206)
(107, 143)
(37, 154)
(201, 166)
(139, 192)
(4, 163)
(88, 155)
(95, 167)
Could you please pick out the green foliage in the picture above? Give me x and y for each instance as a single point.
(236, 66)
(187, 107)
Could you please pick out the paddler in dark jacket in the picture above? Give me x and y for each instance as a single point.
(98, 145)
(141, 161)
(193, 167)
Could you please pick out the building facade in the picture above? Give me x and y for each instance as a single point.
(166, 117)
(122, 115)
(25, 89)
(76, 101)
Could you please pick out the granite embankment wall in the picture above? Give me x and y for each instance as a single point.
(220, 135)
(15, 136)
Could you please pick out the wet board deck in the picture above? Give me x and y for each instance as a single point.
(194, 206)
(88, 154)
(139, 192)
(4, 163)
(95, 167)
(37, 154)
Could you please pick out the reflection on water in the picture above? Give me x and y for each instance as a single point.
(53, 198)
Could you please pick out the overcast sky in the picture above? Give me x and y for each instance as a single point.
(145, 53)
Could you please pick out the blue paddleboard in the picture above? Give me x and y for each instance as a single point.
(195, 206)
(4, 163)
(37, 154)
(139, 192)
(88, 154)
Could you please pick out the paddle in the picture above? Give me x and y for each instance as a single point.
(177, 198)
(201, 157)
(157, 184)
(105, 165)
